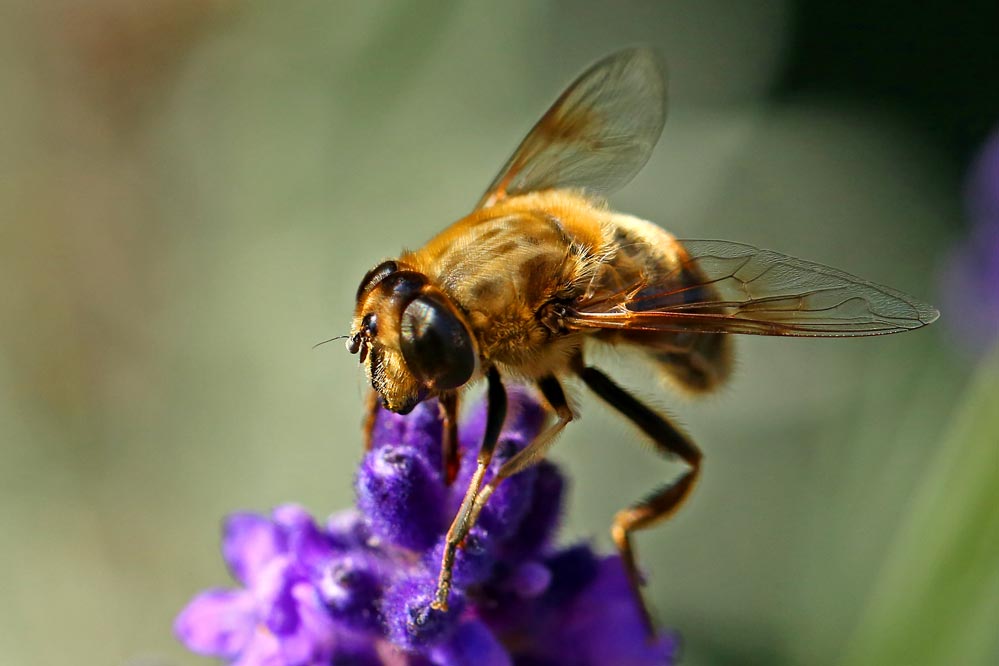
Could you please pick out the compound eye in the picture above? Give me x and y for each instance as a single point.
(436, 345)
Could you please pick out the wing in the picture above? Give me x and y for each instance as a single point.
(596, 136)
(724, 287)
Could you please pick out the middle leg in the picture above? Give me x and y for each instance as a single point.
(551, 389)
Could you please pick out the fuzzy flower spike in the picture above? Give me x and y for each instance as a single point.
(358, 589)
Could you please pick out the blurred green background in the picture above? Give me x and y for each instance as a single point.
(192, 189)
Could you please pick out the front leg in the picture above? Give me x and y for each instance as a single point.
(372, 403)
(464, 521)
(450, 456)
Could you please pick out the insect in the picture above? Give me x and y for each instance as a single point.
(541, 269)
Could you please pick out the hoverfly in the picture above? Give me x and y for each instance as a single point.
(542, 268)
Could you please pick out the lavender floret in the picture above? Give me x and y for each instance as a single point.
(402, 496)
(357, 588)
(411, 623)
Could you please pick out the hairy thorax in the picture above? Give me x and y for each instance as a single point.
(506, 266)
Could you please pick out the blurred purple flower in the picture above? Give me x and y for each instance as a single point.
(357, 590)
(970, 278)
(278, 616)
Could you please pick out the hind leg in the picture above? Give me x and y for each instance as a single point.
(665, 501)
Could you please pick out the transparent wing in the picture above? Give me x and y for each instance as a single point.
(596, 136)
(724, 287)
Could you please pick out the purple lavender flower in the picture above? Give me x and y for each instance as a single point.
(971, 275)
(357, 590)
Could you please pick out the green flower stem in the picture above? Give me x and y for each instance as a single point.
(937, 600)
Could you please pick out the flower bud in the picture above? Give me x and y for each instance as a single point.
(402, 497)
(351, 588)
(421, 429)
(411, 622)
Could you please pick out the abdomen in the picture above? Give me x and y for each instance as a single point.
(646, 253)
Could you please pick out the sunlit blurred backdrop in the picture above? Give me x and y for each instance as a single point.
(191, 190)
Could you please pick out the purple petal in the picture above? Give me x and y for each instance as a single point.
(534, 623)
(314, 636)
(573, 570)
(588, 616)
(472, 644)
(218, 623)
(530, 580)
(272, 592)
(310, 546)
(604, 624)
(249, 542)
(291, 515)
(263, 650)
